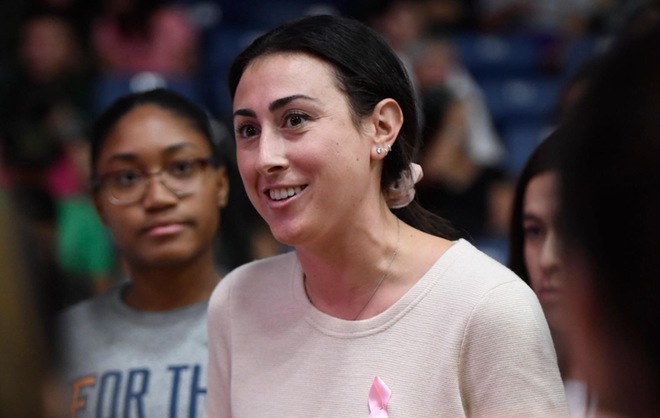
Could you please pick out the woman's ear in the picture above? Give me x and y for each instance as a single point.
(222, 183)
(387, 119)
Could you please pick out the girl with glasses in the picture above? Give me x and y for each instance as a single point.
(139, 349)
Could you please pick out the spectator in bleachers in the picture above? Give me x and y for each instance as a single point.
(45, 117)
(145, 35)
(475, 197)
(401, 23)
(560, 17)
(46, 102)
(436, 64)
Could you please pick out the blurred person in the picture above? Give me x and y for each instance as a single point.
(46, 103)
(431, 61)
(449, 16)
(29, 387)
(610, 229)
(401, 23)
(325, 121)
(132, 36)
(80, 13)
(44, 118)
(437, 65)
(562, 18)
(475, 197)
(159, 183)
(535, 256)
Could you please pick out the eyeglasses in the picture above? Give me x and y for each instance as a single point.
(181, 177)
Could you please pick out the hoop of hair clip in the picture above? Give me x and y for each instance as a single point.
(400, 193)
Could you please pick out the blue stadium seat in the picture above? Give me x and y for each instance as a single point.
(520, 140)
(268, 13)
(579, 51)
(493, 56)
(514, 99)
(220, 47)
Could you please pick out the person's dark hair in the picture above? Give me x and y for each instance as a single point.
(544, 158)
(368, 71)
(163, 98)
(611, 191)
(435, 104)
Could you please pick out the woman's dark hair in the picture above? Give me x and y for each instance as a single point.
(368, 71)
(611, 191)
(544, 158)
(163, 98)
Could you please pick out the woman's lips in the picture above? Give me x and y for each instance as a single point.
(164, 229)
(283, 193)
(549, 295)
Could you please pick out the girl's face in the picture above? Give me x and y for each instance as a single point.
(540, 207)
(160, 228)
(305, 164)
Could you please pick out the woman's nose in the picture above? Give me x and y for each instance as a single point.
(157, 194)
(272, 152)
(550, 253)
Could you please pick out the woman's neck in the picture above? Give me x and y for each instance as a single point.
(341, 278)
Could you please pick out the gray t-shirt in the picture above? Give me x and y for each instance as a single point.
(121, 362)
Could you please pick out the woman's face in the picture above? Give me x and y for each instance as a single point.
(542, 259)
(160, 228)
(305, 164)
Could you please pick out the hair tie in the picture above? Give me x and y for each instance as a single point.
(400, 193)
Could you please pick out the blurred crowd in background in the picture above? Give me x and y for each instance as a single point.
(493, 78)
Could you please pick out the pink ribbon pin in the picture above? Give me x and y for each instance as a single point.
(379, 395)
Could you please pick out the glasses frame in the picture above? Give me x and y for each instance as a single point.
(99, 182)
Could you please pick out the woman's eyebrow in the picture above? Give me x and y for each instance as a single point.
(132, 156)
(276, 104)
(124, 156)
(174, 148)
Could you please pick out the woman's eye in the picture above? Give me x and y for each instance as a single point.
(181, 168)
(126, 177)
(246, 131)
(531, 232)
(295, 119)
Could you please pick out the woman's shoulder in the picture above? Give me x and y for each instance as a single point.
(254, 282)
(467, 266)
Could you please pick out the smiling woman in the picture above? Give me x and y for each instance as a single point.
(326, 130)
(158, 185)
